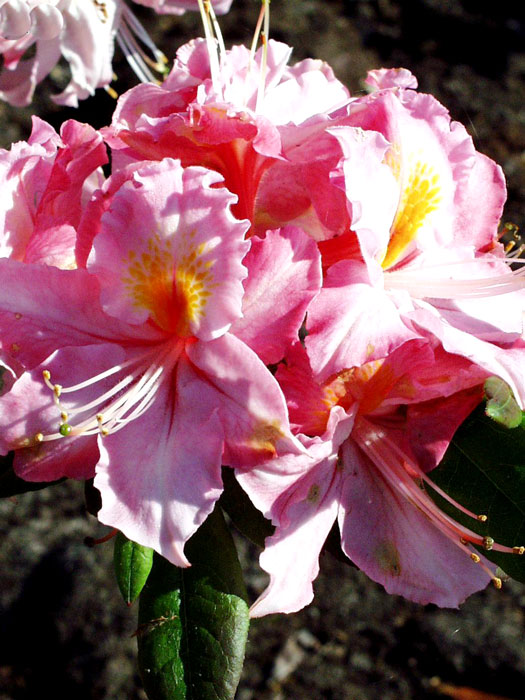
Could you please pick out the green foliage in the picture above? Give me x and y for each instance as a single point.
(193, 623)
(484, 469)
(133, 564)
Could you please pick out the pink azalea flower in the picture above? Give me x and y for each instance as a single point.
(133, 359)
(261, 124)
(43, 186)
(372, 435)
(429, 254)
(84, 34)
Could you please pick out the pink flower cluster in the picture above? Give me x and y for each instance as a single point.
(276, 276)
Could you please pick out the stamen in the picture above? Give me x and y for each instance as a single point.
(91, 542)
(420, 286)
(216, 28)
(130, 30)
(399, 475)
(211, 44)
(264, 60)
(126, 400)
(111, 92)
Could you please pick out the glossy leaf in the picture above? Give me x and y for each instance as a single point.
(193, 623)
(484, 469)
(133, 564)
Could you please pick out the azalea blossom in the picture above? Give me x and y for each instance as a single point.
(132, 373)
(260, 123)
(83, 33)
(372, 433)
(427, 261)
(44, 185)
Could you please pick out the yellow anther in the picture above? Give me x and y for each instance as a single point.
(63, 415)
(39, 437)
(99, 418)
(482, 518)
(488, 543)
(463, 540)
(475, 558)
(518, 550)
(497, 582)
(46, 374)
(104, 432)
(57, 390)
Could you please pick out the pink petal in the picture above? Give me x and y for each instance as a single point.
(251, 405)
(160, 476)
(284, 274)
(395, 544)
(351, 321)
(43, 308)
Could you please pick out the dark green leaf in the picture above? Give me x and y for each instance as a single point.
(133, 564)
(13, 485)
(193, 623)
(244, 515)
(484, 470)
(501, 404)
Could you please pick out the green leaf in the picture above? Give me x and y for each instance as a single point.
(13, 485)
(501, 404)
(193, 623)
(484, 470)
(133, 564)
(244, 515)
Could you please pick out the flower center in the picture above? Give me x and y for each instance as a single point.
(420, 196)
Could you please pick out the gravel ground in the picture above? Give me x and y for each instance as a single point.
(65, 631)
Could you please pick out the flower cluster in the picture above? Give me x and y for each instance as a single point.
(305, 286)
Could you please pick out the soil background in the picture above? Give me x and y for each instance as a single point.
(64, 630)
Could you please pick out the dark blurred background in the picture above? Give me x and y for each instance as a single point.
(65, 632)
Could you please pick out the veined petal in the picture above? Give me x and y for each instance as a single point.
(396, 544)
(507, 363)
(284, 274)
(251, 405)
(300, 493)
(352, 321)
(160, 476)
(43, 308)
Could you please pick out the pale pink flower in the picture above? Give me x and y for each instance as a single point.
(44, 184)
(133, 357)
(428, 252)
(372, 434)
(83, 32)
(261, 124)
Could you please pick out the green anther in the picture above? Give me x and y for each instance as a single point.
(65, 429)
